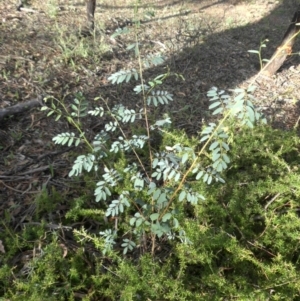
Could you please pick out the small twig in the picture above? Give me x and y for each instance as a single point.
(28, 10)
(261, 248)
(42, 168)
(273, 199)
(14, 178)
(19, 191)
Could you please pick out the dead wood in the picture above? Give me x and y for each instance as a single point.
(20, 108)
(285, 47)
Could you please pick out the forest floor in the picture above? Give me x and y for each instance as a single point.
(41, 55)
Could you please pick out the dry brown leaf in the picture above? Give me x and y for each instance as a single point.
(65, 249)
(2, 247)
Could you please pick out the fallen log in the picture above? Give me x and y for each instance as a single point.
(285, 47)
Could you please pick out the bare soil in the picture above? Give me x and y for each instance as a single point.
(206, 41)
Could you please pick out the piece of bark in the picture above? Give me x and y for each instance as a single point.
(20, 108)
(285, 47)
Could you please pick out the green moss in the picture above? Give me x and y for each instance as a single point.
(47, 202)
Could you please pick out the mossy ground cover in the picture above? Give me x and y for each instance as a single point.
(244, 241)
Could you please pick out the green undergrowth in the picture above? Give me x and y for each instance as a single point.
(243, 239)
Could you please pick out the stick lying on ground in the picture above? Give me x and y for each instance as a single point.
(21, 107)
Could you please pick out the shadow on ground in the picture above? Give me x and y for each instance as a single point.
(210, 56)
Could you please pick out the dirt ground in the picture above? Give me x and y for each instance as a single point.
(42, 55)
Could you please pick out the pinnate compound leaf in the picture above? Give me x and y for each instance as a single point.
(217, 111)
(225, 146)
(166, 217)
(162, 198)
(156, 194)
(251, 113)
(214, 145)
(184, 158)
(214, 105)
(204, 138)
(139, 222)
(239, 97)
(199, 175)
(177, 177)
(216, 155)
(171, 174)
(226, 158)
(182, 196)
(154, 216)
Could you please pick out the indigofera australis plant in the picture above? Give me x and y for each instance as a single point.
(145, 183)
